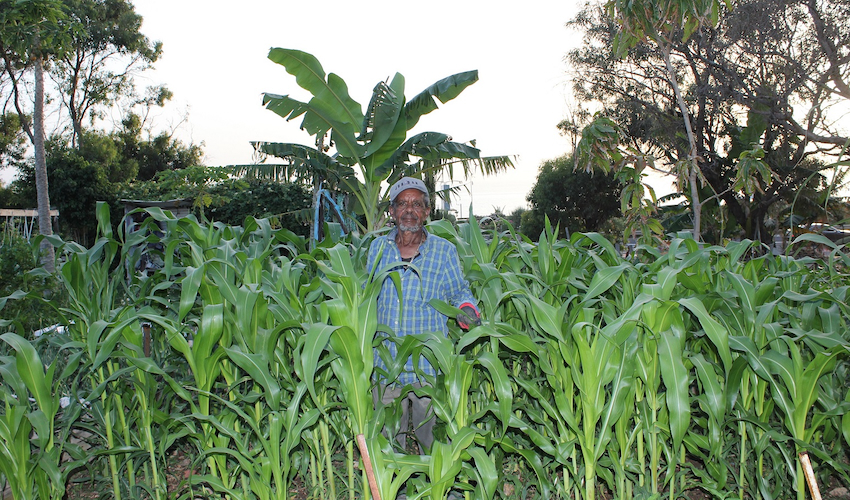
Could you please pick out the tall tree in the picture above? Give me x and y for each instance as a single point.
(104, 55)
(758, 89)
(32, 32)
(576, 200)
(661, 22)
(154, 154)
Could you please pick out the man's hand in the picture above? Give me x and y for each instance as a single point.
(469, 316)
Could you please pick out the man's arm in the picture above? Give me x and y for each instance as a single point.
(460, 294)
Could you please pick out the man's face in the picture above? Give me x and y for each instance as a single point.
(409, 210)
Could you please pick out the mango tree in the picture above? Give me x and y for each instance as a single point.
(659, 21)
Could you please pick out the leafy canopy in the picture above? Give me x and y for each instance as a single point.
(575, 200)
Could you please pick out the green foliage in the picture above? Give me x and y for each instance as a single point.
(33, 29)
(10, 197)
(106, 152)
(105, 167)
(665, 75)
(660, 20)
(575, 201)
(219, 197)
(157, 154)
(700, 369)
(79, 179)
(599, 146)
(37, 294)
(194, 182)
(12, 141)
(284, 203)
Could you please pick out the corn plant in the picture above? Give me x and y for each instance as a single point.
(701, 367)
(30, 456)
(100, 314)
(237, 343)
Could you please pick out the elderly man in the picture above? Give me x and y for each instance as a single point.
(437, 275)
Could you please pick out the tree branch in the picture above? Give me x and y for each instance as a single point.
(829, 50)
(24, 119)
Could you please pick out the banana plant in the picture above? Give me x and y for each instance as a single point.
(376, 141)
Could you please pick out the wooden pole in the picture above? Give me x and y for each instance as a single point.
(367, 464)
(146, 339)
(810, 475)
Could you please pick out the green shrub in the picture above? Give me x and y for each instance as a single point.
(285, 204)
(20, 271)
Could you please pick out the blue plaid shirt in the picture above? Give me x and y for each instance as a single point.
(441, 278)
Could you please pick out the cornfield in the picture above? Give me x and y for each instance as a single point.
(698, 372)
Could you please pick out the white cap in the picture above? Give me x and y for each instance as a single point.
(407, 183)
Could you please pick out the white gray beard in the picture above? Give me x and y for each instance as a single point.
(409, 229)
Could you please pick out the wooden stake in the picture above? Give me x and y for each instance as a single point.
(367, 464)
(810, 475)
(146, 339)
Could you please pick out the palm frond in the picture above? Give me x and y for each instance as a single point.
(418, 145)
(438, 152)
(270, 172)
(302, 164)
(489, 165)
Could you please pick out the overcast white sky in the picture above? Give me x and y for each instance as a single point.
(215, 61)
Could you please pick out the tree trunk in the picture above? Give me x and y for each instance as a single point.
(696, 204)
(45, 226)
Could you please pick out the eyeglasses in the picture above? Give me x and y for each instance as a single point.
(416, 205)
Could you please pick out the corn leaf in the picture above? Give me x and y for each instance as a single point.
(713, 329)
(32, 373)
(675, 377)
